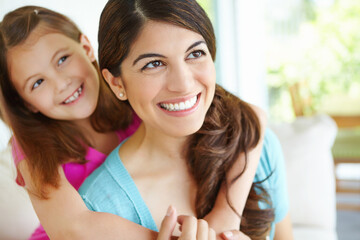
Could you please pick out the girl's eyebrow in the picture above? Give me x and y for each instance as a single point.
(57, 52)
(148, 55)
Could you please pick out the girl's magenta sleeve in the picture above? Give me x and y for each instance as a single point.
(18, 155)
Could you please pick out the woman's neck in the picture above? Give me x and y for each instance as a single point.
(154, 146)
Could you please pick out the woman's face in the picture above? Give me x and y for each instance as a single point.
(169, 78)
(55, 75)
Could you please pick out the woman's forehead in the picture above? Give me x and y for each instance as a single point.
(157, 34)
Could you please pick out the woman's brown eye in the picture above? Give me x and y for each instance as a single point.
(153, 64)
(196, 54)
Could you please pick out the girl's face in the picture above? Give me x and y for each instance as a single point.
(168, 78)
(55, 76)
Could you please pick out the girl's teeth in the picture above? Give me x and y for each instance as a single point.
(74, 96)
(179, 106)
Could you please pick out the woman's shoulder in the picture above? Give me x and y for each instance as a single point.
(96, 177)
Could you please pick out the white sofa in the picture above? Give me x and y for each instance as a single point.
(306, 143)
(307, 146)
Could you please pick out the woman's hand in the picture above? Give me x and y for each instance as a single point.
(190, 227)
(193, 229)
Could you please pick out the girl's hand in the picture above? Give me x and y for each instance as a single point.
(234, 235)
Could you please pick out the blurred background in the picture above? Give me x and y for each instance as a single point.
(293, 58)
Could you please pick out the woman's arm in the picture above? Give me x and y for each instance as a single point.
(222, 217)
(64, 215)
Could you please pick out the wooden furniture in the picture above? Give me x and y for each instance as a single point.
(346, 148)
(344, 121)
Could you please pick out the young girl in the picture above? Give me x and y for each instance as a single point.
(159, 58)
(65, 120)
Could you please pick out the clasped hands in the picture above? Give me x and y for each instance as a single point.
(193, 229)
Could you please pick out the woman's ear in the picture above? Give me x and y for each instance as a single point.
(85, 43)
(115, 84)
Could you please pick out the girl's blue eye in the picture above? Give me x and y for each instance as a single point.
(196, 54)
(152, 65)
(37, 83)
(62, 59)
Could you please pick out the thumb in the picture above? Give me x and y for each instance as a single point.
(168, 224)
(234, 235)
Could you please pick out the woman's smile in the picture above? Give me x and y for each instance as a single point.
(181, 107)
(168, 79)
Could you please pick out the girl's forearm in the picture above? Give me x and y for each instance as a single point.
(64, 215)
(222, 217)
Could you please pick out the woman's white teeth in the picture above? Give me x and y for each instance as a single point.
(74, 96)
(180, 106)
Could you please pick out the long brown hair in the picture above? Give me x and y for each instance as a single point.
(231, 126)
(47, 142)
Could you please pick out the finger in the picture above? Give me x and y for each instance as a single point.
(188, 227)
(168, 224)
(234, 235)
(212, 234)
(202, 230)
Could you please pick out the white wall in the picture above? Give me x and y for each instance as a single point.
(85, 13)
(4, 135)
(241, 47)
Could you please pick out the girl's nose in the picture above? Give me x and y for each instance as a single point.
(62, 83)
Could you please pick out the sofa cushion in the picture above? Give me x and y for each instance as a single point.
(18, 219)
(307, 146)
(314, 233)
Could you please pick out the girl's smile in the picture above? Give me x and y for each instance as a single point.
(55, 75)
(74, 97)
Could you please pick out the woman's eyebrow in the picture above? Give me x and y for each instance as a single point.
(195, 44)
(147, 55)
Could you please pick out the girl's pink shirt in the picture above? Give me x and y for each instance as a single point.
(76, 173)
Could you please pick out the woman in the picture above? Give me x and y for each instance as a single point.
(157, 55)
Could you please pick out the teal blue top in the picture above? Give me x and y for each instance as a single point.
(111, 189)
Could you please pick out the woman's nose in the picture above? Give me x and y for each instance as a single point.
(180, 78)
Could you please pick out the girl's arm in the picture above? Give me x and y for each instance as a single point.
(64, 215)
(222, 217)
(283, 229)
